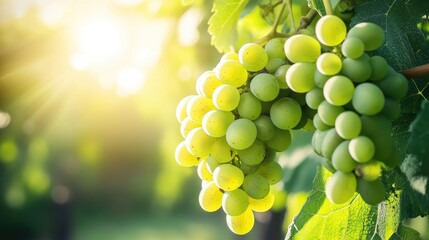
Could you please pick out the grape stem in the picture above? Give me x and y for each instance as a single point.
(307, 19)
(273, 33)
(328, 7)
(416, 72)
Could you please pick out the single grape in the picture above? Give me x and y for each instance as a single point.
(372, 192)
(216, 122)
(338, 90)
(330, 30)
(181, 108)
(320, 79)
(330, 142)
(319, 124)
(226, 97)
(302, 48)
(285, 113)
(228, 177)
(241, 134)
(368, 99)
(348, 125)
(271, 171)
(256, 186)
(198, 106)
(317, 141)
(341, 158)
(379, 67)
(221, 151)
(352, 48)
(369, 171)
(262, 205)
(184, 158)
(198, 142)
(275, 48)
(265, 128)
(370, 34)
(203, 172)
(235, 202)
(328, 113)
(314, 97)
(231, 72)
(357, 70)
(253, 57)
(329, 64)
(249, 106)
(361, 149)
(280, 75)
(229, 56)
(265, 87)
(394, 85)
(187, 125)
(300, 77)
(280, 141)
(273, 64)
(207, 83)
(254, 154)
(210, 197)
(241, 224)
(341, 187)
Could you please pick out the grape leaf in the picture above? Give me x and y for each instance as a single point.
(249, 7)
(222, 24)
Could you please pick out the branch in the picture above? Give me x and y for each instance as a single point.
(416, 72)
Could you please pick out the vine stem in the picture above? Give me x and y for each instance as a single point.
(273, 33)
(416, 72)
(307, 19)
(328, 7)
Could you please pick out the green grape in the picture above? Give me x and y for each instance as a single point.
(280, 75)
(211, 164)
(198, 142)
(357, 70)
(328, 113)
(198, 106)
(391, 109)
(262, 205)
(372, 192)
(319, 124)
(369, 171)
(352, 48)
(216, 122)
(235, 202)
(329, 64)
(247, 169)
(330, 30)
(300, 77)
(298, 97)
(241, 134)
(271, 171)
(241, 224)
(207, 83)
(187, 125)
(273, 64)
(314, 98)
(330, 142)
(221, 151)
(249, 106)
(302, 48)
(228, 177)
(254, 154)
(285, 113)
(229, 56)
(275, 48)
(231, 72)
(394, 85)
(348, 125)
(256, 186)
(338, 90)
(379, 67)
(265, 128)
(378, 129)
(361, 149)
(370, 34)
(302, 121)
(280, 141)
(317, 141)
(341, 158)
(184, 158)
(368, 99)
(341, 187)
(181, 108)
(320, 79)
(253, 57)
(203, 172)
(226, 97)
(265, 87)
(210, 197)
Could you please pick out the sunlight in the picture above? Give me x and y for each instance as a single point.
(129, 81)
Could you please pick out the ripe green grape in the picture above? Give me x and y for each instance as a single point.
(271, 171)
(211, 164)
(369, 171)
(183, 157)
(256, 186)
(216, 122)
(352, 48)
(330, 142)
(285, 113)
(320, 78)
(262, 205)
(198, 106)
(341, 158)
(338, 90)
(317, 140)
(187, 125)
(302, 48)
(241, 224)
(372, 192)
(361, 149)
(280, 75)
(273, 64)
(328, 113)
(231, 72)
(181, 108)
(348, 125)
(394, 85)
(330, 30)
(265, 87)
(379, 67)
(314, 98)
(357, 70)
(229, 56)
(247, 169)
(391, 109)
(210, 197)
(241, 134)
(300, 77)
(275, 48)
(253, 57)
(235, 202)
(198, 142)
(203, 172)
(368, 99)
(265, 128)
(228, 177)
(329, 64)
(254, 154)
(341, 187)
(280, 141)
(249, 106)
(221, 151)
(226, 97)
(370, 34)
(319, 124)
(378, 128)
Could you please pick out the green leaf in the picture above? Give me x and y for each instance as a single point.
(223, 22)
(249, 7)
(318, 6)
